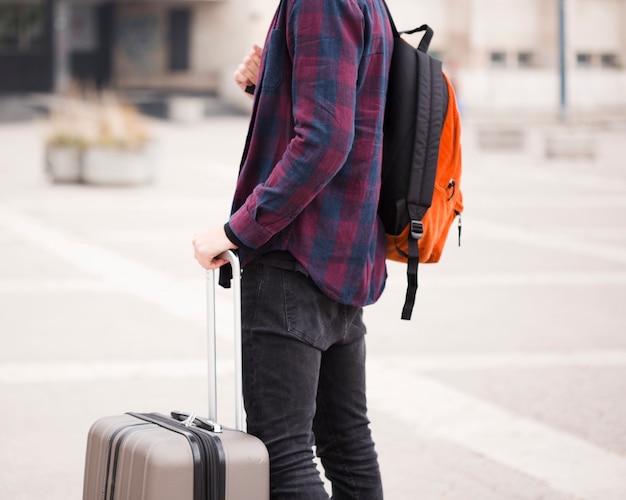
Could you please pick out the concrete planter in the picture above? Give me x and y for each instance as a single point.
(571, 142)
(63, 163)
(119, 167)
(101, 165)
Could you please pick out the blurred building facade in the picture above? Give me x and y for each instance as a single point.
(505, 53)
(171, 45)
(26, 54)
(502, 54)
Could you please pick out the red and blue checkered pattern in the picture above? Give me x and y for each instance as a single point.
(310, 176)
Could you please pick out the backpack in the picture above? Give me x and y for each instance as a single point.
(421, 170)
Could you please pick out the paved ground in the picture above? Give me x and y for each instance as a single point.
(508, 384)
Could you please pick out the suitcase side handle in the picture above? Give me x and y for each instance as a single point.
(233, 259)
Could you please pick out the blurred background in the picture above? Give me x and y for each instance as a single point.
(121, 133)
(529, 57)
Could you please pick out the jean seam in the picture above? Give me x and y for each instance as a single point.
(252, 344)
(321, 404)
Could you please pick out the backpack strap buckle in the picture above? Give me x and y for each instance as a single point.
(417, 229)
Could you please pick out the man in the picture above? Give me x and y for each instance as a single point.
(304, 219)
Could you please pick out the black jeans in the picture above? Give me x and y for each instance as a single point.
(304, 386)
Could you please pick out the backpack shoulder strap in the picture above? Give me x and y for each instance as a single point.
(432, 104)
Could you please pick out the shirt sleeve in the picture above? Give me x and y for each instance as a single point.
(325, 41)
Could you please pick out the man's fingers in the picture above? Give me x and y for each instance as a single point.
(247, 72)
(245, 77)
(207, 263)
(217, 263)
(250, 68)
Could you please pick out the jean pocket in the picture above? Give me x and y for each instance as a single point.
(311, 316)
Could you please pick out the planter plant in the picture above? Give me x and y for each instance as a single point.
(98, 140)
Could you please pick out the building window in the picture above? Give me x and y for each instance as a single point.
(525, 60)
(178, 24)
(609, 61)
(583, 60)
(22, 26)
(498, 59)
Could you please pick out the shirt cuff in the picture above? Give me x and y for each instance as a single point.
(230, 234)
(247, 230)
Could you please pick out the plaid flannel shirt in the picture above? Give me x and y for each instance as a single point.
(310, 175)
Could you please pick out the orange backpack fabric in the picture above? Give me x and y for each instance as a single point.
(447, 201)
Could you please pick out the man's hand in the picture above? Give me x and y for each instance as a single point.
(209, 244)
(248, 71)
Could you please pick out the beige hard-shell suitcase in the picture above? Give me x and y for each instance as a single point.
(150, 456)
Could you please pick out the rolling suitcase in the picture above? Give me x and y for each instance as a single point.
(150, 456)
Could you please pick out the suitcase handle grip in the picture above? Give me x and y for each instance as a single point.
(189, 419)
(233, 259)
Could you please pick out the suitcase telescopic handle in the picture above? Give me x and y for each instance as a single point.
(232, 258)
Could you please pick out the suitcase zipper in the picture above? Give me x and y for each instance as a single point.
(207, 452)
(110, 467)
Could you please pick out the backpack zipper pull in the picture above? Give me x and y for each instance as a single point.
(459, 214)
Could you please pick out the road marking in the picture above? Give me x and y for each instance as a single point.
(105, 370)
(42, 372)
(514, 279)
(510, 360)
(553, 241)
(55, 286)
(506, 279)
(115, 201)
(115, 270)
(535, 175)
(549, 201)
(565, 462)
